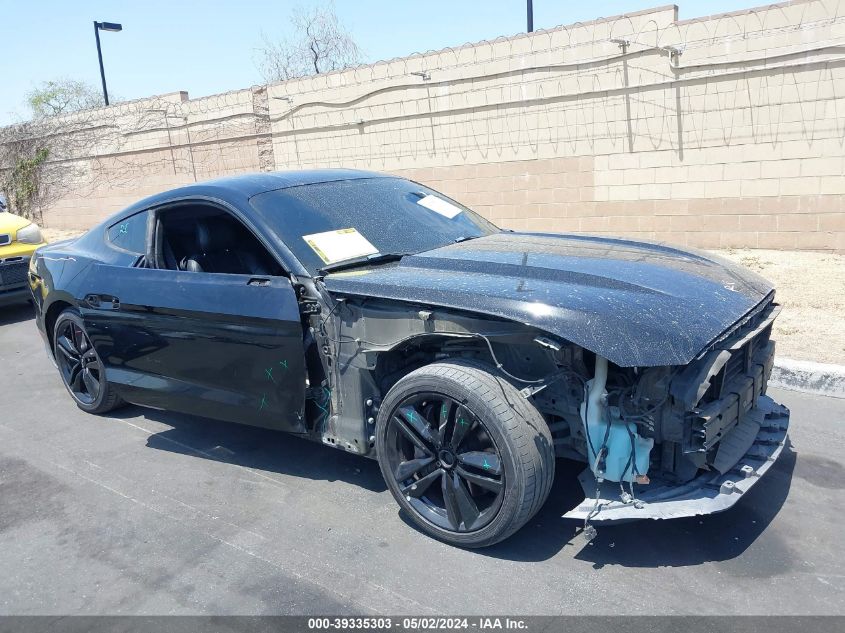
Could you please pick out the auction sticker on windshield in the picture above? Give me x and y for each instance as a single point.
(439, 205)
(339, 245)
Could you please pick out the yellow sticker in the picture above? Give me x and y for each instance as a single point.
(339, 245)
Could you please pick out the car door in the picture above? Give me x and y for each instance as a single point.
(225, 346)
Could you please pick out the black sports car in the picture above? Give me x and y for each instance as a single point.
(378, 316)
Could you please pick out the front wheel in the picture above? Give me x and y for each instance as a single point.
(464, 454)
(80, 367)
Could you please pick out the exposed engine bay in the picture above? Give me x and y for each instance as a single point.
(659, 442)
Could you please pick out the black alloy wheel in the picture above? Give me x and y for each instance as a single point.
(78, 362)
(465, 455)
(444, 462)
(80, 366)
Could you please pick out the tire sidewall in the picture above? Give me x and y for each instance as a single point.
(74, 316)
(514, 476)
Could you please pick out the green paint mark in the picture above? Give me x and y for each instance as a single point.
(263, 402)
(283, 363)
(485, 465)
(269, 372)
(124, 229)
(324, 406)
(462, 422)
(444, 412)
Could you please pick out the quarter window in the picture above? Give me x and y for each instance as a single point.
(130, 234)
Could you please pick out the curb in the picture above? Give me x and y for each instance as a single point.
(809, 377)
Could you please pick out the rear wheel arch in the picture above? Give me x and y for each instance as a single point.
(50, 317)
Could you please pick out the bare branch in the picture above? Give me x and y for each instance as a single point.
(321, 44)
(44, 159)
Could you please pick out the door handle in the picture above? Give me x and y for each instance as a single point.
(102, 302)
(258, 281)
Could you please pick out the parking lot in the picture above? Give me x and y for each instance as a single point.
(148, 512)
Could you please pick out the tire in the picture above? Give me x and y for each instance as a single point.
(80, 367)
(503, 460)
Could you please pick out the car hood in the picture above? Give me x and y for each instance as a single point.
(635, 303)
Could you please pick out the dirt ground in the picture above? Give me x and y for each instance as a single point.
(811, 289)
(810, 286)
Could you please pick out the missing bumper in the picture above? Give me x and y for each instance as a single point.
(708, 493)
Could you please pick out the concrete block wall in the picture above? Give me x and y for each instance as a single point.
(722, 131)
(164, 142)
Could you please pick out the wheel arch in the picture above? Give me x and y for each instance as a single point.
(394, 362)
(56, 308)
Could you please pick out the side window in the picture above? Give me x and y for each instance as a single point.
(204, 238)
(130, 234)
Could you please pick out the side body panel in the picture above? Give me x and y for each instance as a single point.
(223, 346)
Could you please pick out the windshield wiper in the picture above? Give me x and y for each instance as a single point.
(464, 238)
(365, 260)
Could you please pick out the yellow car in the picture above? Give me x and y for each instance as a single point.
(18, 240)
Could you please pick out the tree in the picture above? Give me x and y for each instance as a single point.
(23, 154)
(39, 158)
(24, 183)
(62, 96)
(321, 44)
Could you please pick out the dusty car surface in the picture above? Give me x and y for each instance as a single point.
(379, 317)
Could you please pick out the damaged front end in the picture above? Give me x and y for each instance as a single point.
(669, 442)
(660, 440)
(648, 362)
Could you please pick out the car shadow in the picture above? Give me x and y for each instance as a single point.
(16, 313)
(256, 448)
(673, 543)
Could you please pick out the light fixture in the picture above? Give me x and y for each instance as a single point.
(674, 52)
(112, 27)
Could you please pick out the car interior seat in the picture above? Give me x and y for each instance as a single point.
(220, 249)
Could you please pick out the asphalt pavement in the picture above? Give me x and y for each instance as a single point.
(150, 512)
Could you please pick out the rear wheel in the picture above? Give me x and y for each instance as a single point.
(464, 454)
(80, 367)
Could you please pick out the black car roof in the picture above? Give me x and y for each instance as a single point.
(258, 182)
(245, 186)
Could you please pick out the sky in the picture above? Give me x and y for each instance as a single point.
(206, 47)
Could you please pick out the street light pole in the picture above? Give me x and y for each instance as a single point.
(530, 16)
(104, 26)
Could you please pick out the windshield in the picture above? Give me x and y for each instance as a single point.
(329, 222)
